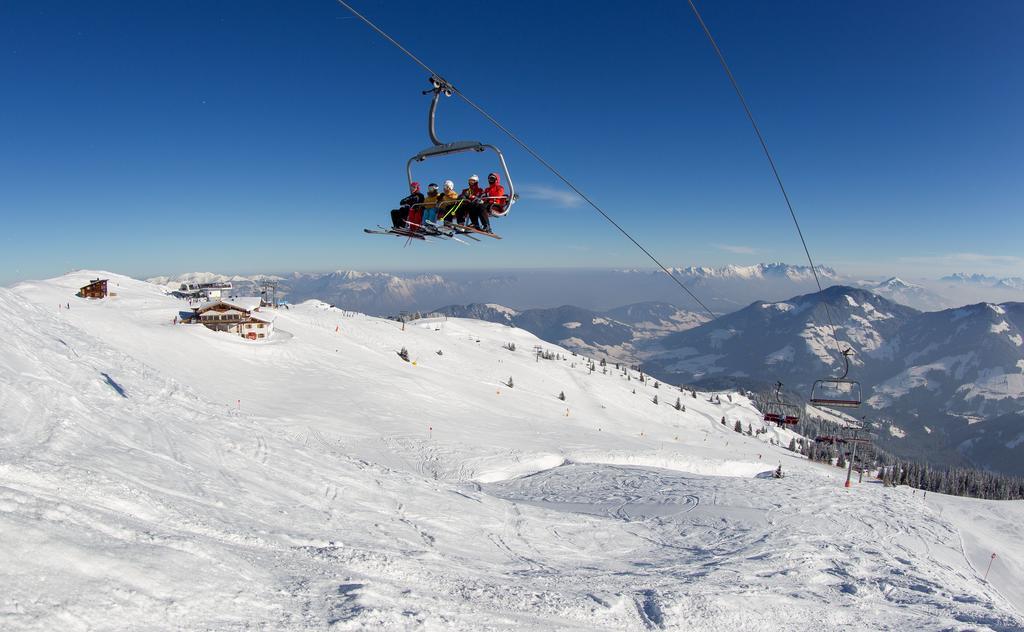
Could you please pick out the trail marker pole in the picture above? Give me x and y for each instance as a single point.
(992, 559)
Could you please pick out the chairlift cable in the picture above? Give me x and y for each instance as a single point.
(532, 153)
(771, 162)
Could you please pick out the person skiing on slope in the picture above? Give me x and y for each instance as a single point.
(448, 201)
(401, 214)
(471, 203)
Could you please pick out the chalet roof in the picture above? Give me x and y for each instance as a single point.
(94, 282)
(264, 317)
(241, 303)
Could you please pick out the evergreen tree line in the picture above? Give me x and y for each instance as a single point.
(955, 481)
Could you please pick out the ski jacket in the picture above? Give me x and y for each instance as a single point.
(446, 199)
(495, 193)
(431, 200)
(415, 198)
(471, 193)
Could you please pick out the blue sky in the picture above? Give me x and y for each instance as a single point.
(246, 137)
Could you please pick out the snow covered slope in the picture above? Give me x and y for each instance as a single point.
(163, 476)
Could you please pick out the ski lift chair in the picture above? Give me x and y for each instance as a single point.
(791, 415)
(779, 412)
(837, 392)
(439, 149)
(771, 414)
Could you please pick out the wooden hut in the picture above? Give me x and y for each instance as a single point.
(95, 289)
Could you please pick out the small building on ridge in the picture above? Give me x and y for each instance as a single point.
(95, 289)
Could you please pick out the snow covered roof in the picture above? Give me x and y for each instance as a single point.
(264, 317)
(243, 303)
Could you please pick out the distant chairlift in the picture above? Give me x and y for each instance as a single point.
(837, 392)
(499, 208)
(779, 412)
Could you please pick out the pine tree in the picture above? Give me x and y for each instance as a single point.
(792, 444)
(738, 427)
(404, 354)
(679, 404)
(655, 400)
(509, 384)
(561, 396)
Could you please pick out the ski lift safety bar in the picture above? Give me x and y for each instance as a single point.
(458, 148)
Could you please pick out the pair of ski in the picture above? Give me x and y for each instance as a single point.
(433, 229)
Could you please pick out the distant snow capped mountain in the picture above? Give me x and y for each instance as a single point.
(379, 293)
(1011, 283)
(788, 340)
(490, 312)
(976, 279)
(941, 370)
(910, 294)
(758, 271)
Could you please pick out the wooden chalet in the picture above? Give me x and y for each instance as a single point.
(241, 315)
(95, 289)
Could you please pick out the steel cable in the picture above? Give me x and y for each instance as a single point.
(532, 153)
(771, 162)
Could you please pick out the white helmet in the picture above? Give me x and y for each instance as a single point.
(449, 185)
(474, 178)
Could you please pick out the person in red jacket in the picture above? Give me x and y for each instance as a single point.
(494, 195)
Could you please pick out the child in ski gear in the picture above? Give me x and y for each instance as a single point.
(448, 201)
(401, 214)
(428, 212)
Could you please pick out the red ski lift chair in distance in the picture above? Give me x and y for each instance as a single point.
(771, 413)
(837, 392)
(779, 412)
(499, 208)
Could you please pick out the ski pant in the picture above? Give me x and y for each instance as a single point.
(477, 213)
(430, 215)
(398, 217)
(415, 217)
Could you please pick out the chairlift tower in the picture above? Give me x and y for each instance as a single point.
(855, 440)
(268, 292)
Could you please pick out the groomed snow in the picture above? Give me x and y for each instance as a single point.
(163, 477)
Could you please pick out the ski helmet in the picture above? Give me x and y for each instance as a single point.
(415, 186)
(449, 185)
(474, 178)
(432, 186)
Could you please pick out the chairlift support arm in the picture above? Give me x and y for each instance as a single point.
(438, 149)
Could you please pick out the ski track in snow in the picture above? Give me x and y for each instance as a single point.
(163, 477)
